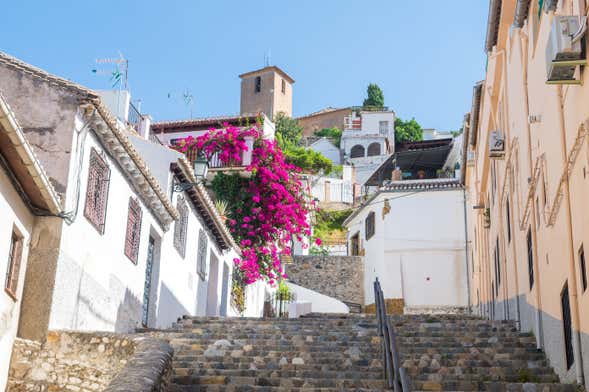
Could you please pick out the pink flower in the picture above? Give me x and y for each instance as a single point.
(318, 241)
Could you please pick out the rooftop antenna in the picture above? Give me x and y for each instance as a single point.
(119, 74)
(267, 59)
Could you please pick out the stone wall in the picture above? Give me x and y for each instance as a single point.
(86, 362)
(340, 277)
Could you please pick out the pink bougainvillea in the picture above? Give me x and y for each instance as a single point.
(276, 208)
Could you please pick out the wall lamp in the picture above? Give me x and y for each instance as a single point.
(201, 168)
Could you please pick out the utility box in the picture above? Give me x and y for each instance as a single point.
(564, 51)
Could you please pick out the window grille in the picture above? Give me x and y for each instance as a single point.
(133, 230)
(14, 260)
(201, 265)
(97, 191)
(370, 229)
(583, 268)
(258, 84)
(530, 259)
(567, 326)
(181, 227)
(508, 218)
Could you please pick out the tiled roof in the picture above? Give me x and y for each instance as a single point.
(35, 183)
(169, 126)
(437, 184)
(328, 109)
(422, 185)
(521, 12)
(114, 137)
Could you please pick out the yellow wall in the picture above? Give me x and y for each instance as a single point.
(514, 88)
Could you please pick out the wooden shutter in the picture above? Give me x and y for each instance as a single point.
(133, 230)
(201, 265)
(97, 191)
(14, 260)
(181, 227)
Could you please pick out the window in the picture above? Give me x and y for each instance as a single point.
(283, 87)
(14, 259)
(530, 258)
(370, 225)
(374, 149)
(497, 266)
(383, 127)
(201, 263)
(355, 245)
(133, 230)
(181, 227)
(583, 268)
(567, 326)
(258, 84)
(357, 151)
(97, 191)
(508, 218)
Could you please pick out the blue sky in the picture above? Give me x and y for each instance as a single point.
(425, 54)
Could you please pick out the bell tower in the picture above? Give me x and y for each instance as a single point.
(267, 90)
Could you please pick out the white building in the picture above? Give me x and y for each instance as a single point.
(114, 262)
(411, 234)
(328, 149)
(26, 199)
(367, 140)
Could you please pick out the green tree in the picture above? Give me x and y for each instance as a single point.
(289, 129)
(407, 131)
(375, 97)
(334, 134)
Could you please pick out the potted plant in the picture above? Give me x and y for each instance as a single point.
(222, 207)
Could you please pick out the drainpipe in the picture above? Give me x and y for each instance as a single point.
(466, 253)
(539, 329)
(571, 262)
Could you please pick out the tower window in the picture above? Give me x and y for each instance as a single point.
(283, 87)
(258, 84)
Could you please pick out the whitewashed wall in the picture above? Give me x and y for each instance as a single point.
(328, 149)
(320, 303)
(14, 214)
(98, 288)
(418, 249)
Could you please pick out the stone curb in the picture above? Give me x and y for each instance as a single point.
(149, 370)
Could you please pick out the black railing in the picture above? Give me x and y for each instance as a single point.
(134, 117)
(395, 374)
(280, 301)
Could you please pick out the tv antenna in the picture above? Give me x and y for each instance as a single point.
(120, 75)
(267, 59)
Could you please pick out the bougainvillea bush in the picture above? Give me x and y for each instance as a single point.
(268, 209)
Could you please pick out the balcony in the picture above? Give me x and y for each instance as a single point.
(216, 165)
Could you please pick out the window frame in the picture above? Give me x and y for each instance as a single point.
(14, 264)
(370, 225)
(181, 227)
(258, 84)
(133, 231)
(201, 255)
(283, 86)
(98, 170)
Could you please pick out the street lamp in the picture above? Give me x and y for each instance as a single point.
(201, 168)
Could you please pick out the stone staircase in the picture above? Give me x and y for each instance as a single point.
(320, 352)
(464, 353)
(315, 353)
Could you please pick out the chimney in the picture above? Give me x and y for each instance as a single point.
(144, 127)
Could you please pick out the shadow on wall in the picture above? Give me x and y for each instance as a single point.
(169, 309)
(128, 313)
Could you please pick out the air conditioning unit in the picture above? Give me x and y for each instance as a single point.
(564, 51)
(496, 144)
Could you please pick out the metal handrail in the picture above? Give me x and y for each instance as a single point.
(395, 374)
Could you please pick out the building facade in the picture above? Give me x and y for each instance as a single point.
(133, 248)
(324, 118)
(527, 157)
(27, 203)
(412, 236)
(266, 90)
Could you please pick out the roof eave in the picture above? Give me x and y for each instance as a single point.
(493, 24)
